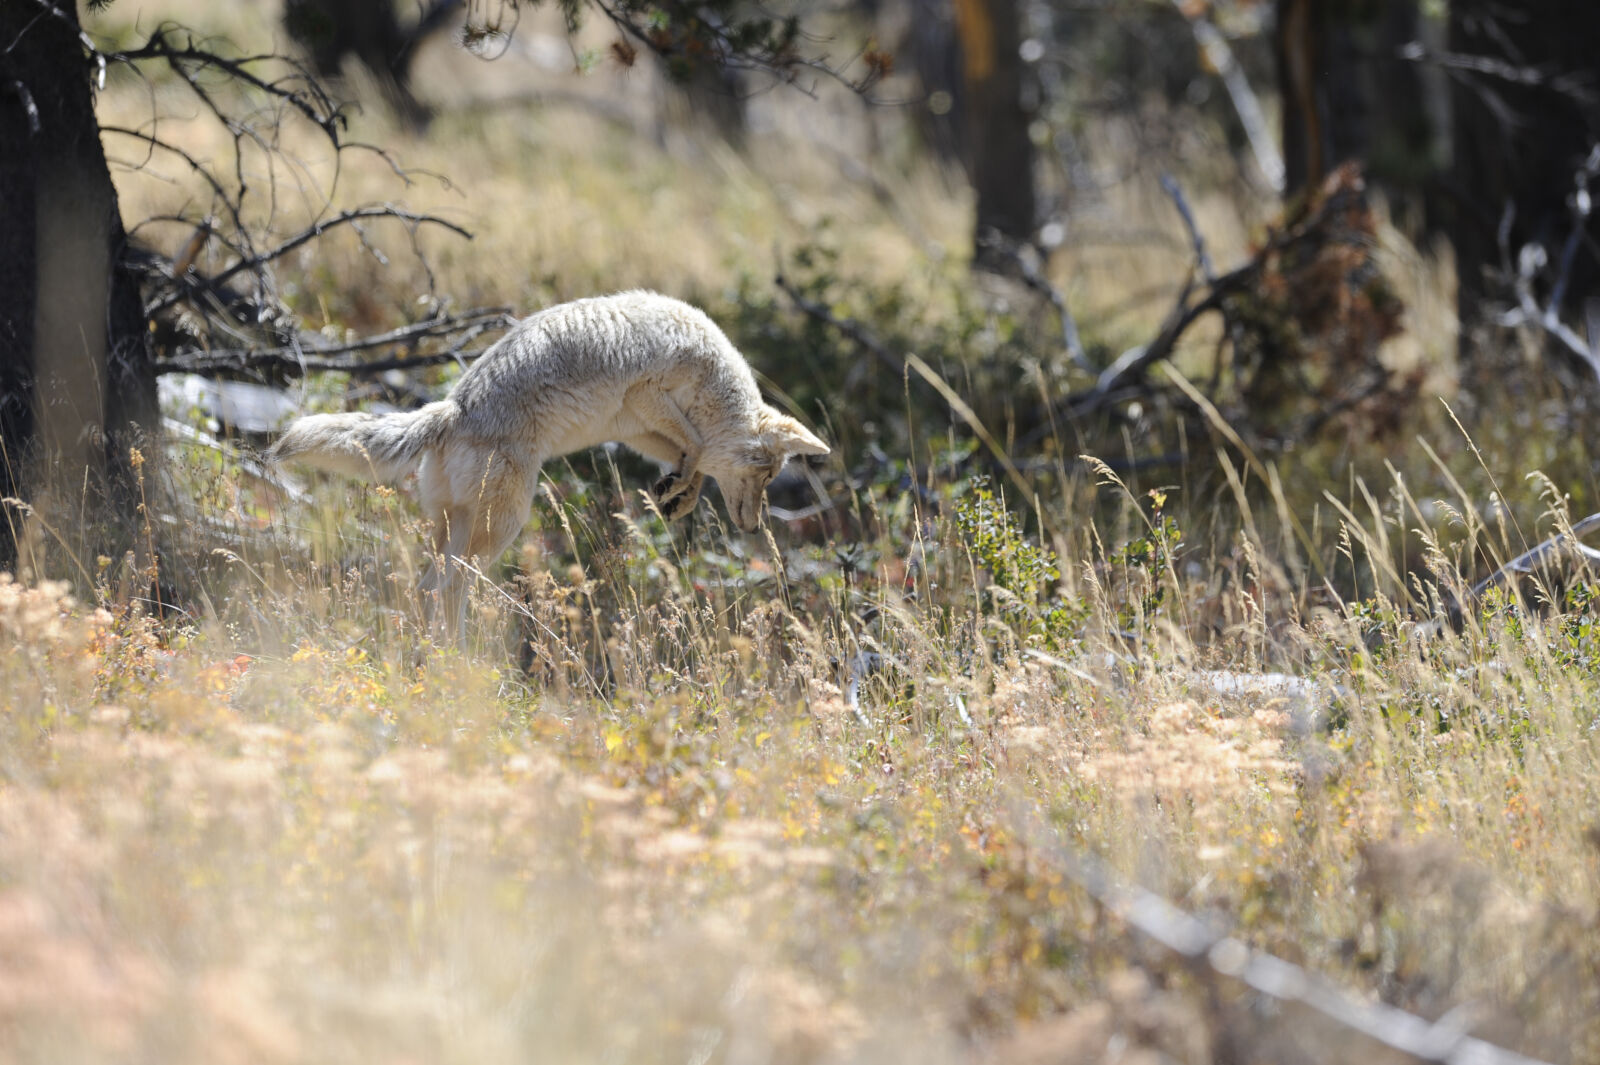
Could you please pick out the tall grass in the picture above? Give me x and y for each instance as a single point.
(750, 803)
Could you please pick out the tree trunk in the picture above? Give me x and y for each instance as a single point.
(74, 359)
(1000, 148)
(1518, 146)
(1346, 92)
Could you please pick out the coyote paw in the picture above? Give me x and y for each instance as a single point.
(677, 495)
(675, 484)
(669, 487)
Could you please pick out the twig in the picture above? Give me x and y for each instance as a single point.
(1533, 258)
(1582, 207)
(1202, 257)
(1028, 270)
(300, 91)
(716, 44)
(284, 358)
(1573, 85)
(1443, 1042)
(1528, 312)
(153, 142)
(255, 262)
(1136, 361)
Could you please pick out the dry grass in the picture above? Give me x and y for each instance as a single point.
(297, 833)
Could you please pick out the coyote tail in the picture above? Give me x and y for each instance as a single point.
(375, 447)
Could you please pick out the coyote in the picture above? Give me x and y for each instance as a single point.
(644, 369)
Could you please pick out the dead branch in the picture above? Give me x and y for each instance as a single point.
(1576, 86)
(299, 90)
(1197, 240)
(1136, 361)
(730, 44)
(1532, 559)
(217, 323)
(315, 230)
(1026, 263)
(1533, 258)
(1214, 955)
(152, 142)
(1204, 292)
(294, 358)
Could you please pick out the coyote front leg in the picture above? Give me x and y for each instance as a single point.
(655, 446)
(670, 437)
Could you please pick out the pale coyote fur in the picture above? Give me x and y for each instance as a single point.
(644, 369)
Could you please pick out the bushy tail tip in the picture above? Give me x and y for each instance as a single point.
(377, 447)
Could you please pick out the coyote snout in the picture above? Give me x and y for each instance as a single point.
(649, 371)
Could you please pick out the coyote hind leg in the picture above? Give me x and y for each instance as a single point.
(480, 530)
(442, 586)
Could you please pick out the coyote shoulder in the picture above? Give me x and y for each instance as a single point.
(649, 371)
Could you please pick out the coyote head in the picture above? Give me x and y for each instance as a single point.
(744, 469)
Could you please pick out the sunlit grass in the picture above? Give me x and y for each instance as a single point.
(297, 828)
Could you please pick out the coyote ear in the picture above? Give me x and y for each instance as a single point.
(789, 437)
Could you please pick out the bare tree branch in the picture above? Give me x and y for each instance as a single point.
(299, 90)
(1533, 258)
(1530, 560)
(1579, 87)
(775, 55)
(1197, 241)
(470, 324)
(1023, 259)
(1444, 1042)
(223, 194)
(317, 229)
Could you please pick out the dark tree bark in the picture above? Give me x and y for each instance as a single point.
(78, 382)
(1526, 113)
(934, 50)
(1000, 152)
(1349, 95)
